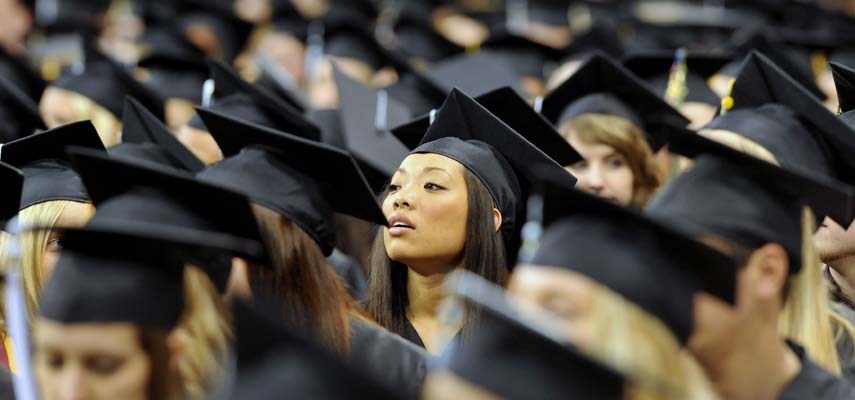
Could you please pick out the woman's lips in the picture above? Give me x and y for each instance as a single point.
(399, 225)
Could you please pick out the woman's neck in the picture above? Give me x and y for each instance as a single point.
(424, 292)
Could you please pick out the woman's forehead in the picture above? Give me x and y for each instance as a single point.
(426, 162)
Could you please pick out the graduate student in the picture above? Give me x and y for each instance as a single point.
(762, 215)
(456, 201)
(606, 113)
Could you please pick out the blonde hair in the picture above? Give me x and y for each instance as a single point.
(5, 259)
(641, 346)
(205, 331)
(739, 142)
(106, 123)
(33, 245)
(627, 140)
(807, 317)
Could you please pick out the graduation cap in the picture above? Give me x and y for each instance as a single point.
(502, 160)
(47, 173)
(631, 254)
(107, 83)
(18, 112)
(601, 36)
(655, 67)
(145, 138)
(175, 67)
(526, 57)
(19, 72)
(745, 199)
(244, 100)
(513, 110)
(148, 198)
(761, 82)
(476, 73)
(354, 41)
(231, 32)
(122, 275)
(275, 79)
(603, 86)
(505, 350)
(367, 115)
(12, 180)
(273, 361)
(844, 82)
(416, 37)
(759, 39)
(298, 178)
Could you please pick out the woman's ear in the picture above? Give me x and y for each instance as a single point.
(772, 271)
(497, 218)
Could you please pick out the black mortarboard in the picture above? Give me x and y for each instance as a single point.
(18, 112)
(12, 180)
(761, 82)
(514, 111)
(416, 37)
(476, 73)
(630, 254)
(47, 174)
(244, 100)
(175, 67)
(349, 40)
(655, 68)
(367, 115)
(601, 36)
(106, 82)
(754, 39)
(173, 205)
(526, 57)
(501, 159)
(298, 178)
(230, 31)
(603, 86)
(145, 138)
(19, 72)
(275, 79)
(123, 275)
(744, 199)
(505, 350)
(274, 361)
(844, 82)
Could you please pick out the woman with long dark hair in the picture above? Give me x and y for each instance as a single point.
(295, 186)
(456, 201)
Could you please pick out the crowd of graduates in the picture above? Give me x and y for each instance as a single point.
(416, 199)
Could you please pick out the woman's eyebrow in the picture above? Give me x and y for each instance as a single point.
(430, 169)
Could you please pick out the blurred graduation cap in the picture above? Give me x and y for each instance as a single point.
(237, 97)
(601, 35)
(48, 175)
(761, 82)
(351, 40)
(476, 73)
(416, 37)
(367, 115)
(62, 16)
(175, 67)
(303, 180)
(759, 39)
(527, 57)
(603, 86)
(630, 254)
(138, 197)
(231, 32)
(513, 110)
(18, 71)
(744, 199)
(505, 350)
(18, 112)
(273, 361)
(275, 79)
(502, 160)
(844, 82)
(146, 139)
(12, 180)
(106, 82)
(655, 68)
(123, 275)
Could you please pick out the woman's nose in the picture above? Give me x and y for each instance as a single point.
(73, 385)
(592, 180)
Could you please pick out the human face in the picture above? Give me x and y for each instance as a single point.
(74, 215)
(603, 172)
(564, 293)
(200, 143)
(833, 242)
(90, 361)
(428, 195)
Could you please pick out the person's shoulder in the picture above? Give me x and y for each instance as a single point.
(814, 382)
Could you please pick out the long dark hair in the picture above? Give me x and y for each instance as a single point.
(310, 294)
(483, 254)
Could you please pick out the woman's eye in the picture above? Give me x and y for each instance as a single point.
(54, 243)
(104, 365)
(579, 165)
(432, 186)
(55, 361)
(615, 162)
(393, 188)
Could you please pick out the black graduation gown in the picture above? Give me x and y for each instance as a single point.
(7, 390)
(412, 335)
(815, 383)
(351, 272)
(388, 358)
